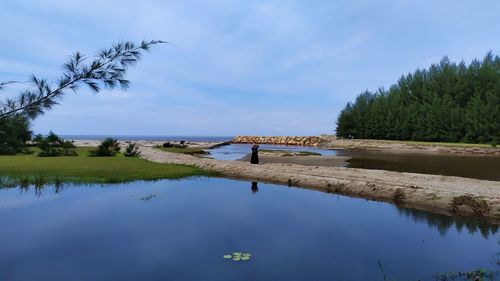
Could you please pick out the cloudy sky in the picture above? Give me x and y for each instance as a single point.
(237, 67)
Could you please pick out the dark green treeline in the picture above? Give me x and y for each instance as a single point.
(448, 102)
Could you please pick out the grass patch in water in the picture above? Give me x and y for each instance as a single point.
(291, 153)
(30, 169)
(186, 150)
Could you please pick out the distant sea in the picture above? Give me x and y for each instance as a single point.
(150, 138)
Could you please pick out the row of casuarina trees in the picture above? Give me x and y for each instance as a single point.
(447, 102)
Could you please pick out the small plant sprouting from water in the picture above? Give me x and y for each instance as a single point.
(238, 256)
(39, 181)
(399, 195)
(474, 275)
(478, 206)
(381, 269)
(24, 182)
(335, 188)
(148, 197)
(58, 185)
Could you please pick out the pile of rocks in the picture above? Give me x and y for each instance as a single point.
(283, 140)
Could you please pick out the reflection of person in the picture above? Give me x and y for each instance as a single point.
(255, 154)
(255, 188)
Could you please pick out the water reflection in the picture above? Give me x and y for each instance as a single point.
(254, 187)
(443, 223)
(293, 234)
(439, 222)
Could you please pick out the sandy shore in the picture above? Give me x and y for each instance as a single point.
(331, 142)
(438, 194)
(145, 143)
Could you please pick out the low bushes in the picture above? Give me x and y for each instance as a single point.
(53, 145)
(132, 150)
(181, 144)
(108, 147)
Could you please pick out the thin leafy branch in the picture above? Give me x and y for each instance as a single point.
(106, 70)
(4, 84)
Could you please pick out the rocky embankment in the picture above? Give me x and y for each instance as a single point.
(282, 140)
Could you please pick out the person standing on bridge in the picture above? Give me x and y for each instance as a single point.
(255, 154)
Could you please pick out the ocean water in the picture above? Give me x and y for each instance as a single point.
(150, 138)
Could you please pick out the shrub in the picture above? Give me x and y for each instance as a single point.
(37, 140)
(14, 133)
(53, 145)
(168, 144)
(132, 150)
(108, 147)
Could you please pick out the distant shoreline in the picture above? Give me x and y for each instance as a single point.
(322, 141)
(164, 138)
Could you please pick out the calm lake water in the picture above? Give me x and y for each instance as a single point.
(180, 230)
(480, 167)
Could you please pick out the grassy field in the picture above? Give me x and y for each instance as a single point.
(187, 150)
(84, 169)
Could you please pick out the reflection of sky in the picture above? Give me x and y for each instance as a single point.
(182, 233)
(238, 151)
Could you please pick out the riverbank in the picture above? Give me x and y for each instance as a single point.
(331, 142)
(30, 169)
(438, 194)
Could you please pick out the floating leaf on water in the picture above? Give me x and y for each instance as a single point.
(247, 255)
(245, 258)
(227, 256)
(237, 253)
(236, 259)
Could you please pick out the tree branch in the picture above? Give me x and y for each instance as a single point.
(108, 70)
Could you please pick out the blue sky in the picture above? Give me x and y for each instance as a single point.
(237, 67)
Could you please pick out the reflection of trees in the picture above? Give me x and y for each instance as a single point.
(442, 222)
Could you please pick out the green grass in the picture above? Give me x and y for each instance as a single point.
(289, 153)
(85, 169)
(187, 150)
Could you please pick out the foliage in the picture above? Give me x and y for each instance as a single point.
(53, 145)
(237, 256)
(181, 144)
(447, 102)
(184, 150)
(108, 147)
(474, 275)
(132, 150)
(14, 133)
(107, 69)
(84, 169)
(168, 144)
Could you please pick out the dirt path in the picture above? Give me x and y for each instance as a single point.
(438, 194)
